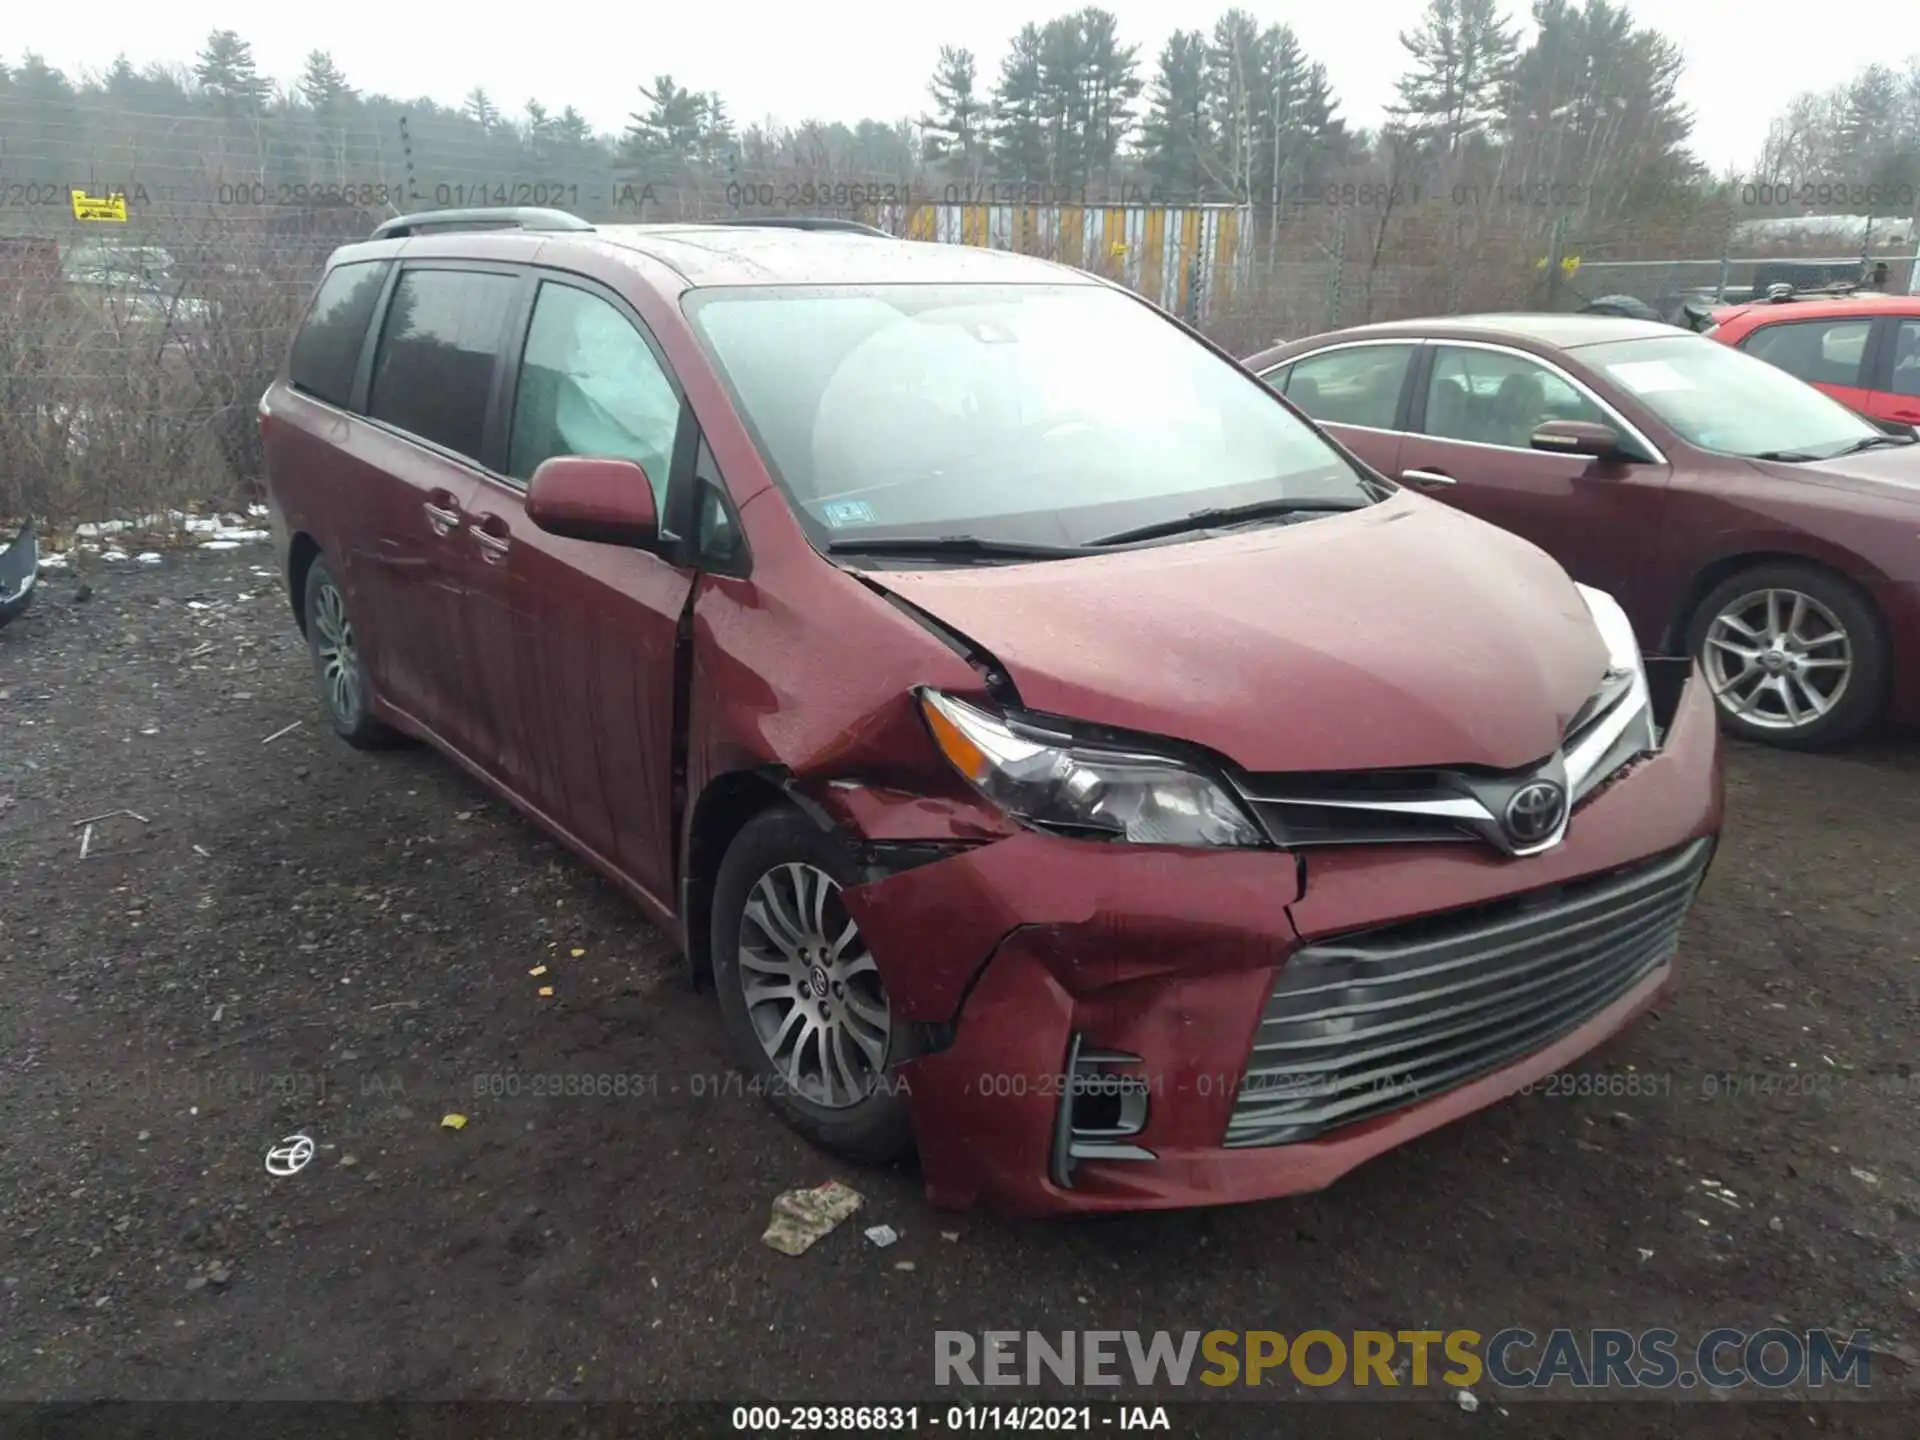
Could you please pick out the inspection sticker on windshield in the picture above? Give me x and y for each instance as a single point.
(1645, 377)
(841, 513)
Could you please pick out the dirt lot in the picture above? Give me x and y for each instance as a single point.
(297, 937)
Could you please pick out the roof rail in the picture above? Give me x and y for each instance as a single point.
(810, 222)
(498, 217)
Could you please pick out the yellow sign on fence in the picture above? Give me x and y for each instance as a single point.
(99, 207)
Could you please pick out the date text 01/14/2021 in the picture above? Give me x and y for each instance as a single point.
(924, 1420)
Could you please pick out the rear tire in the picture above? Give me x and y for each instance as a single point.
(800, 994)
(345, 693)
(1795, 656)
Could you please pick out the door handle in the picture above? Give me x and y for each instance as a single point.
(1425, 477)
(445, 518)
(490, 533)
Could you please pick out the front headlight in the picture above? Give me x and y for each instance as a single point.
(1616, 724)
(1623, 650)
(1147, 799)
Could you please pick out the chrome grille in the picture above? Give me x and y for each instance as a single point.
(1380, 807)
(1366, 1023)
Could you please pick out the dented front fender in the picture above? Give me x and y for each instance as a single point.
(1114, 913)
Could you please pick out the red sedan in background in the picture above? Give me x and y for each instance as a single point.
(1740, 516)
(1863, 350)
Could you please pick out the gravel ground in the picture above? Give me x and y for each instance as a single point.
(288, 935)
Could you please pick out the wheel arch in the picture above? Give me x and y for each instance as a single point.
(722, 810)
(302, 551)
(1674, 640)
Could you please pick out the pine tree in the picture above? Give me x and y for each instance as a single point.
(323, 84)
(1112, 86)
(479, 108)
(668, 133)
(1178, 137)
(716, 143)
(955, 132)
(1063, 106)
(1019, 136)
(1593, 107)
(226, 71)
(1462, 52)
(122, 81)
(1239, 95)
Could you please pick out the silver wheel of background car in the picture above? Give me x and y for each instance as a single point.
(334, 653)
(1778, 659)
(811, 989)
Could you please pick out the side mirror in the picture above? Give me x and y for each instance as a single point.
(590, 497)
(1578, 437)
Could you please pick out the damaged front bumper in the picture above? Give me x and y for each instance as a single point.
(1126, 1027)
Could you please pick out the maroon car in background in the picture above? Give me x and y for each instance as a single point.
(1739, 515)
(1084, 773)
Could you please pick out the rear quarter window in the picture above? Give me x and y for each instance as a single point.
(326, 352)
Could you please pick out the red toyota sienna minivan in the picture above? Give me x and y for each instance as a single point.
(1058, 755)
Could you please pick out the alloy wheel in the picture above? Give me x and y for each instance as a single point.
(334, 653)
(812, 991)
(1777, 658)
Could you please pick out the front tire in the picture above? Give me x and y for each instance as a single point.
(1794, 655)
(337, 667)
(800, 994)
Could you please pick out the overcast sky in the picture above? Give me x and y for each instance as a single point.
(794, 62)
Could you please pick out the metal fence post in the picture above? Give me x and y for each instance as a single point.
(1556, 251)
(1337, 268)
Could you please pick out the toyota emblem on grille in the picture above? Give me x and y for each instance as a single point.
(1535, 812)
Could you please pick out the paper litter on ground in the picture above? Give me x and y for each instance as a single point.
(801, 1217)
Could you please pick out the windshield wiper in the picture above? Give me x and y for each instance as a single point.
(959, 547)
(1871, 442)
(1227, 515)
(1803, 457)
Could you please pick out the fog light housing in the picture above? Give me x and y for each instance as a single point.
(1101, 1108)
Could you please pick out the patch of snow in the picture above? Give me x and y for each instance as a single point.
(219, 544)
(148, 557)
(113, 554)
(233, 533)
(53, 562)
(201, 525)
(258, 512)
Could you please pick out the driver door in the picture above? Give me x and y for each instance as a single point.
(574, 641)
(1469, 447)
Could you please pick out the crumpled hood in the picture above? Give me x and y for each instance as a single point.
(1406, 634)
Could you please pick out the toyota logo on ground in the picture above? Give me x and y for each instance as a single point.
(1535, 811)
(290, 1156)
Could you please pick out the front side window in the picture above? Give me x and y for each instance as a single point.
(1034, 413)
(433, 372)
(1488, 397)
(590, 385)
(1906, 359)
(326, 352)
(1355, 385)
(1821, 352)
(1723, 399)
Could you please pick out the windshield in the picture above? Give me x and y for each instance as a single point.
(1029, 413)
(1720, 399)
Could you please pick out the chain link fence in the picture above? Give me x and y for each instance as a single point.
(134, 347)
